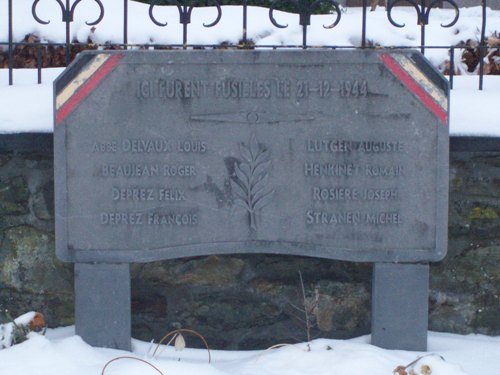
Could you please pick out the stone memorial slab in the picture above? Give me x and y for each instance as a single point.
(166, 155)
(340, 155)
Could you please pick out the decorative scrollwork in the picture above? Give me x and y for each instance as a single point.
(423, 11)
(184, 12)
(305, 10)
(68, 12)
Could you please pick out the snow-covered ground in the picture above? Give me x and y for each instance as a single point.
(27, 106)
(62, 353)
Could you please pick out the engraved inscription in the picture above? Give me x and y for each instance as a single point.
(173, 219)
(340, 145)
(122, 218)
(171, 195)
(129, 170)
(335, 194)
(283, 88)
(132, 194)
(244, 88)
(151, 146)
(325, 89)
(353, 218)
(140, 194)
(303, 89)
(105, 147)
(353, 89)
(330, 169)
(179, 170)
(146, 170)
(380, 194)
(333, 218)
(384, 171)
(346, 170)
(171, 89)
(145, 146)
(348, 194)
(384, 218)
(192, 146)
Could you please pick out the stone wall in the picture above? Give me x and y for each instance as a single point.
(30, 275)
(253, 301)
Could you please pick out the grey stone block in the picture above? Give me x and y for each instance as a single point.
(102, 304)
(400, 306)
(324, 154)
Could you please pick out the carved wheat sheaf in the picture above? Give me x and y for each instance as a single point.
(251, 179)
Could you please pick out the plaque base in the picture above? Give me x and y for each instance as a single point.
(102, 304)
(400, 303)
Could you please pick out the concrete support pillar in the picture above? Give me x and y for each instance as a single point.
(102, 304)
(400, 306)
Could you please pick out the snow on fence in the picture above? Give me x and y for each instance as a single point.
(457, 41)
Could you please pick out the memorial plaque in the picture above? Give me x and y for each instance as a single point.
(340, 155)
(166, 154)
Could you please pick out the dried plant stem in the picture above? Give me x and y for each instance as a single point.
(306, 313)
(133, 358)
(276, 346)
(183, 330)
(167, 344)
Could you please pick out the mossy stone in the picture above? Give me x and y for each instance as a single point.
(4, 159)
(43, 202)
(14, 196)
(29, 262)
(487, 213)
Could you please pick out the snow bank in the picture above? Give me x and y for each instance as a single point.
(62, 353)
(27, 107)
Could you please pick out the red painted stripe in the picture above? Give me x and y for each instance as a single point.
(415, 87)
(87, 87)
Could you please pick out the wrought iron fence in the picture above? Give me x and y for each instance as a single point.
(305, 8)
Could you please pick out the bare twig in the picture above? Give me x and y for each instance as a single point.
(306, 313)
(276, 346)
(133, 358)
(296, 307)
(167, 344)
